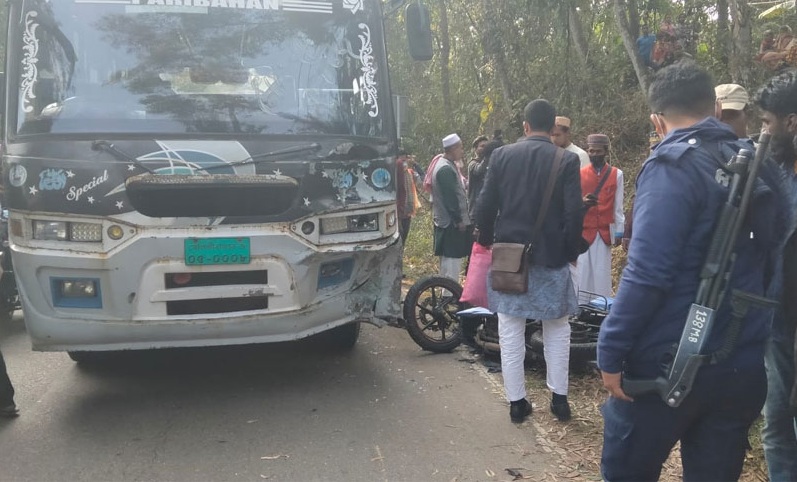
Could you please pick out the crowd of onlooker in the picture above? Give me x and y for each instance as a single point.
(778, 52)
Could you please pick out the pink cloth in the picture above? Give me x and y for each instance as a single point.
(475, 290)
(429, 178)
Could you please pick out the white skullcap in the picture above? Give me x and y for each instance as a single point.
(450, 140)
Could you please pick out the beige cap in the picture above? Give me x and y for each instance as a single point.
(732, 96)
(562, 121)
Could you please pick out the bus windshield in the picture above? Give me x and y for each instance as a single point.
(237, 67)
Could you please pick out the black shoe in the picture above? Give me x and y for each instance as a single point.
(9, 411)
(562, 411)
(519, 410)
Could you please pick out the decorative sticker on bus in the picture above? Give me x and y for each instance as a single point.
(202, 6)
(366, 84)
(53, 179)
(354, 5)
(17, 175)
(30, 72)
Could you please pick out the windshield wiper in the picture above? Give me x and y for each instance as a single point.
(110, 149)
(257, 157)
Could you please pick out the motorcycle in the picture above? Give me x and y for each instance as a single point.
(438, 322)
(9, 296)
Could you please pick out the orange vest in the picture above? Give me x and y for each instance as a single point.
(598, 218)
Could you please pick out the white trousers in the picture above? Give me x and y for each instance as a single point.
(595, 269)
(450, 267)
(512, 339)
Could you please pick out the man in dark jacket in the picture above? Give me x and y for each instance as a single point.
(778, 103)
(506, 212)
(477, 170)
(680, 193)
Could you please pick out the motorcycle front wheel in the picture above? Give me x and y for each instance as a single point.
(430, 310)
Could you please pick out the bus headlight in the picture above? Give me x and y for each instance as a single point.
(50, 230)
(362, 223)
(334, 225)
(85, 232)
(358, 223)
(65, 231)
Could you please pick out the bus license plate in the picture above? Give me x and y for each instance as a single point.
(205, 251)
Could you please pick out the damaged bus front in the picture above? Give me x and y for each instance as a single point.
(196, 172)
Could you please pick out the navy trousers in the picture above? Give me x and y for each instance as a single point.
(712, 425)
(6, 389)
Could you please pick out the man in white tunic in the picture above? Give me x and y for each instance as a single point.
(602, 188)
(560, 135)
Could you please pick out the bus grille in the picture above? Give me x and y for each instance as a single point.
(212, 305)
(219, 305)
(218, 278)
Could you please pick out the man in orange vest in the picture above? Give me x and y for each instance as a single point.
(602, 188)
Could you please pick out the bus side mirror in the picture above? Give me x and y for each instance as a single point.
(419, 31)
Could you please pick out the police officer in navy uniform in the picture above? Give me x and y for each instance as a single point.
(678, 201)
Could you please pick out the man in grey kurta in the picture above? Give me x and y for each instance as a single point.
(452, 226)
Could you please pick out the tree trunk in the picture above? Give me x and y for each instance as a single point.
(576, 31)
(742, 53)
(493, 47)
(445, 57)
(633, 18)
(723, 34)
(629, 42)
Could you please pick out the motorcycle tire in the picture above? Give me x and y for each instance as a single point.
(579, 352)
(6, 313)
(430, 309)
(7, 309)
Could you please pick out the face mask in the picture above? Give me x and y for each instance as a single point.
(597, 160)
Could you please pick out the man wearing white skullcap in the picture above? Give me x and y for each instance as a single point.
(452, 238)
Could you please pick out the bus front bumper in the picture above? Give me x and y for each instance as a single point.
(143, 305)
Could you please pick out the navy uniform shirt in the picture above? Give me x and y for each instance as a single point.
(678, 201)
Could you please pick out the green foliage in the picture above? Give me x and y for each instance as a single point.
(419, 258)
(514, 51)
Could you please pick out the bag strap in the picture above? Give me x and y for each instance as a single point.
(546, 197)
(602, 181)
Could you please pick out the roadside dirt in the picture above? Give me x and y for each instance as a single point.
(575, 447)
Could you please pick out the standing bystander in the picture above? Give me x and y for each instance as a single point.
(477, 168)
(407, 203)
(602, 188)
(515, 185)
(452, 226)
(732, 102)
(778, 103)
(561, 137)
(478, 172)
(681, 191)
(7, 407)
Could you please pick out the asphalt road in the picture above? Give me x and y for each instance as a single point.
(292, 412)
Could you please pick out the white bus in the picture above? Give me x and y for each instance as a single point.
(199, 172)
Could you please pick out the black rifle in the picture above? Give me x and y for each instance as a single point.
(714, 281)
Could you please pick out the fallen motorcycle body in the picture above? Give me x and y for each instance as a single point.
(438, 322)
